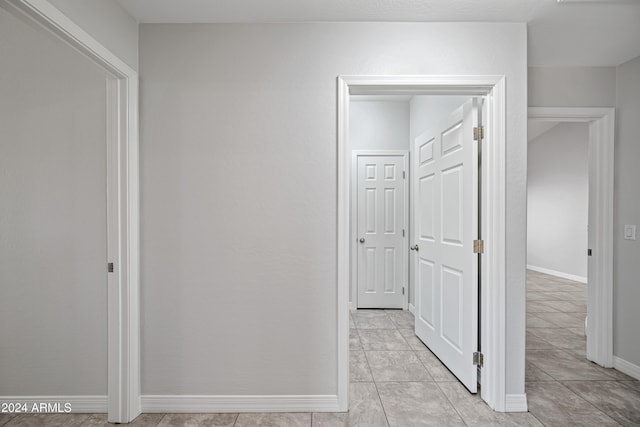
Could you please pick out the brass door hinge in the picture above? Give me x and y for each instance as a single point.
(478, 359)
(478, 133)
(478, 246)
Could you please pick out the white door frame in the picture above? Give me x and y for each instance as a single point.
(493, 204)
(123, 314)
(601, 178)
(354, 221)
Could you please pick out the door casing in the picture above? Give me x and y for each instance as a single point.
(354, 221)
(601, 123)
(123, 215)
(493, 223)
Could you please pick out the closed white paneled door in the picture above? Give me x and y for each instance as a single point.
(446, 202)
(381, 234)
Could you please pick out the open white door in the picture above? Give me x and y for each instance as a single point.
(446, 207)
(382, 250)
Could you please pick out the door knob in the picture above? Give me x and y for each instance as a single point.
(414, 247)
(362, 240)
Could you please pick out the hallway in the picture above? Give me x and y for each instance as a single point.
(397, 381)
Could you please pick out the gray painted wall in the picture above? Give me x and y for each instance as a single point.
(53, 306)
(626, 291)
(572, 86)
(239, 192)
(558, 199)
(379, 125)
(108, 23)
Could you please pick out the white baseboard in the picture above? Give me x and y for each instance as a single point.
(515, 403)
(79, 404)
(412, 308)
(626, 367)
(219, 404)
(560, 274)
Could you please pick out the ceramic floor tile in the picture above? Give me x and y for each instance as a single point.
(402, 319)
(533, 373)
(48, 420)
(577, 331)
(555, 405)
(196, 420)
(435, 368)
(358, 367)
(352, 324)
(557, 337)
(534, 321)
(613, 398)
(539, 307)
(475, 412)
(566, 306)
(382, 339)
(417, 404)
(146, 420)
(634, 384)
(413, 341)
(563, 320)
(365, 410)
(354, 340)
(274, 420)
(373, 320)
(533, 341)
(564, 367)
(614, 373)
(4, 418)
(536, 296)
(396, 366)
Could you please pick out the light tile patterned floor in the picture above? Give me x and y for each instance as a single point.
(397, 381)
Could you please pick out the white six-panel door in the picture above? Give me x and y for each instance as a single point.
(381, 241)
(446, 207)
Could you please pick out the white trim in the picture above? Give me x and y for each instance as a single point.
(123, 312)
(221, 404)
(412, 309)
(626, 367)
(493, 212)
(516, 403)
(353, 225)
(79, 404)
(601, 187)
(555, 273)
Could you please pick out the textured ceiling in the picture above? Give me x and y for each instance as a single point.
(576, 33)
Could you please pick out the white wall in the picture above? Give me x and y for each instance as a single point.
(626, 344)
(379, 125)
(572, 86)
(108, 23)
(53, 308)
(558, 200)
(239, 192)
(425, 112)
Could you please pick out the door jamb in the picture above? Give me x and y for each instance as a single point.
(354, 221)
(493, 205)
(123, 314)
(601, 186)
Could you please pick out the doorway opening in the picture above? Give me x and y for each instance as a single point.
(492, 263)
(122, 216)
(599, 250)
